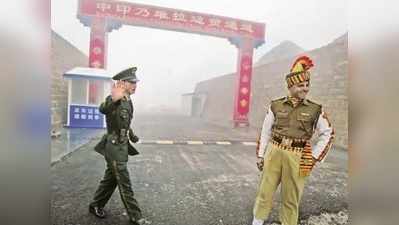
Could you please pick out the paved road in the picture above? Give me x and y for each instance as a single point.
(188, 184)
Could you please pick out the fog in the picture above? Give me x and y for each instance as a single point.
(171, 63)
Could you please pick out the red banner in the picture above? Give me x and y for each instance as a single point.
(173, 19)
(98, 42)
(243, 91)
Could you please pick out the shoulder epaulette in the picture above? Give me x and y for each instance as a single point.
(278, 99)
(312, 102)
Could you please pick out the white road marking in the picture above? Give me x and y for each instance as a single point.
(195, 142)
(164, 142)
(249, 143)
(171, 142)
(223, 143)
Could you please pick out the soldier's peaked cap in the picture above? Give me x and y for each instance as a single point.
(127, 75)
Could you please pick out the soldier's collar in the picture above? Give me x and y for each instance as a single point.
(287, 100)
(126, 97)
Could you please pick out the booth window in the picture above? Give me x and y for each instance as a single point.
(79, 91)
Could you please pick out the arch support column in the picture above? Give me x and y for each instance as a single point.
(98, 43)
(242, 97)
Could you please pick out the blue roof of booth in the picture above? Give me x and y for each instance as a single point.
(88, 73)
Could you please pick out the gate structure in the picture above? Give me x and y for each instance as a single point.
(103, 16)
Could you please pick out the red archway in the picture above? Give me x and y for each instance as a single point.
(102, 16)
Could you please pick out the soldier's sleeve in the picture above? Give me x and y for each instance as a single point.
(108, 105)
(265, 132)
(325, 138)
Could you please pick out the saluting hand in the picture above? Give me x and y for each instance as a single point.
(117, 91)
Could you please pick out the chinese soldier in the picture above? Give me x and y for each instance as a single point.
(285, 153)
(115, 147)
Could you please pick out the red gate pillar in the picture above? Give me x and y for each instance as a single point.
(98, 43)
(97, 52)
(243, 86)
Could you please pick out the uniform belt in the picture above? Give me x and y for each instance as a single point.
(117, 133)
(118, 138)
(112, 132)
(288, 142)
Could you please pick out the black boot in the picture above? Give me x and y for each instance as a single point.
(97, 211)
(141, 221)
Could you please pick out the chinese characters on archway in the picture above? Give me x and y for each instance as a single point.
(174, 18)
(104, 15)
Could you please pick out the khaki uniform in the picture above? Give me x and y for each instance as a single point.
(285, 136)
(281, 167)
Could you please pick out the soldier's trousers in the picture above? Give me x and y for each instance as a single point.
(280, 166)
(117, 175)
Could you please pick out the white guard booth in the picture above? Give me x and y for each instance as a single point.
(87, 88)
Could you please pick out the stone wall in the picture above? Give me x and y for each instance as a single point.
(329, 87)
(64, 56)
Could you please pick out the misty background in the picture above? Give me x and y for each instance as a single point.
(171, 63)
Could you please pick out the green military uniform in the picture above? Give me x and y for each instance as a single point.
(295, 122)
(115, 147)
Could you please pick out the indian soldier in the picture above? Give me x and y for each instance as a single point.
(285, 153)
(115, 147)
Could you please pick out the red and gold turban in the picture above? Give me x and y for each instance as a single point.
(299, 71)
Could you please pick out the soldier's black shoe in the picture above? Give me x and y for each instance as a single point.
(97, 211)
(141, 221)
